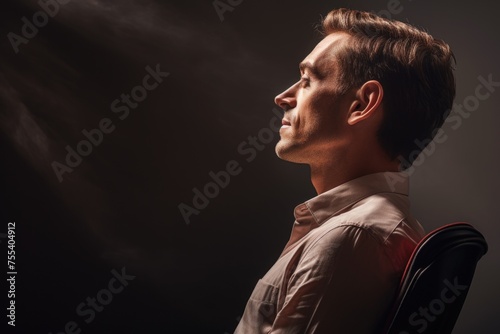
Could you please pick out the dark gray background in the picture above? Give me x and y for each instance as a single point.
(120, 206)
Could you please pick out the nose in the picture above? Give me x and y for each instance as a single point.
(287, 99)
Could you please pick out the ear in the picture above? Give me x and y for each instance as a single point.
(368, 99)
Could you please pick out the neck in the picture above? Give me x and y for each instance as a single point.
(326, 175)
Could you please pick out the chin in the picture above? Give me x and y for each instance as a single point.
(288, 152)
(280, 150)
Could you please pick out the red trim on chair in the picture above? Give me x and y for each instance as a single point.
(424, 239)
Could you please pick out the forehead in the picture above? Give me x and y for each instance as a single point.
(322, 57)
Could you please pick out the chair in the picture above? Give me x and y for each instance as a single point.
(436, 281)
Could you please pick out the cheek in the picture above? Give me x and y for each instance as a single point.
(309, 125)
(319, 108)
(324, 118)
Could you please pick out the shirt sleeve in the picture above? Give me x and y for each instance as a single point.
(343, 284)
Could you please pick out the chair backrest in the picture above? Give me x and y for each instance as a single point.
(436, 281)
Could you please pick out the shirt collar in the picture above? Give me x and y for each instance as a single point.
(316, 211)
(330, 203)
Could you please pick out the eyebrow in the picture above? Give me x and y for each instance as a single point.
(311, 68)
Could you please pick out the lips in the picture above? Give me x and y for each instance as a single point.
(285, 122)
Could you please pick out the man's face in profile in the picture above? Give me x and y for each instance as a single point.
(315, 114)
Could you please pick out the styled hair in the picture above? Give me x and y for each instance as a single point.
(414, 69)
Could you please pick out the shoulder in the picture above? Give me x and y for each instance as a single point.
(379, 227)
(385, 216)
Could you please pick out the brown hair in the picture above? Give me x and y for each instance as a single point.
(415, 70)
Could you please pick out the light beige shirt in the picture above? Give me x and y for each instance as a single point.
(339, 271)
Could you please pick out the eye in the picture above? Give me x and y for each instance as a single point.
(304, 82)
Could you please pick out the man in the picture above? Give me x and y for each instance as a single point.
(370, 93)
